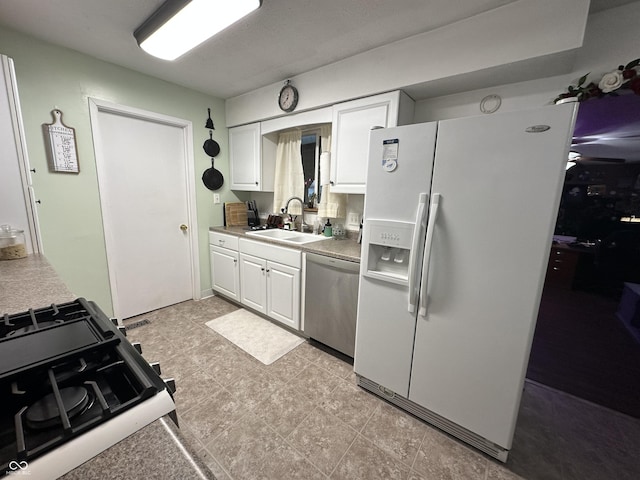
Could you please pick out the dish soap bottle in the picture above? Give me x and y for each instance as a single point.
(328, 230)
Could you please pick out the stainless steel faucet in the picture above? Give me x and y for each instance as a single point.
(285, 210)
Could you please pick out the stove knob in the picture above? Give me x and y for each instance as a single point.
(156, 367)
(123, 330)
(137, 346)
(171, 385)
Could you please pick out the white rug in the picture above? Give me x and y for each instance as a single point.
(258, 337)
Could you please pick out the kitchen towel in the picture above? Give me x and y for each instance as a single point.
(258, 337)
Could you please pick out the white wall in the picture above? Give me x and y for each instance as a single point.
(521, 31)
(611, 39)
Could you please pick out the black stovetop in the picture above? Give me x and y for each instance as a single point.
(63, 370)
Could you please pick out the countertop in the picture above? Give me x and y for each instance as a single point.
(30, 282)
(156, 451)
(347, 249)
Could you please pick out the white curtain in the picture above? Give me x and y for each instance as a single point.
(289, 176)
(332, 205)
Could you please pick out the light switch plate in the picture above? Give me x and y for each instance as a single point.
(216, 198)
(353, 219)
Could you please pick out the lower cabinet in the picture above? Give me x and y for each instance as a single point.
(254, 282)
(261, 276)
(283, 294)
(225, 273)
(271, 288)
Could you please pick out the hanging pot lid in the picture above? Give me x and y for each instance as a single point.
(210, 146)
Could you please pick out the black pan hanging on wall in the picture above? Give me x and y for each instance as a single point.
(210, 146)
(211, 177)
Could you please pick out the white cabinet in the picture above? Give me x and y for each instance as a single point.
(270, 281)
(283, 294)
(254, 282)
(251, 158)
(351, 124)
(225, 271)
(244, 157)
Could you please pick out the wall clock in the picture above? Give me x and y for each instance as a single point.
(288, 98)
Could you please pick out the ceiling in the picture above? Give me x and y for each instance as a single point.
(282, 39)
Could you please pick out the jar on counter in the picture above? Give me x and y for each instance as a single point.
(12, 243)
(339, 232)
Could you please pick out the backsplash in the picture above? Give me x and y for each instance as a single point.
(264, 200)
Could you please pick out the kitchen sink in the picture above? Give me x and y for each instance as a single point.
(288, 236)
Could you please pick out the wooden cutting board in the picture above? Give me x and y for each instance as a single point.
(235, 214)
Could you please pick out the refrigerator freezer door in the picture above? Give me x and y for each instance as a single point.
(500, 188)
(393, 194)
(385, 326)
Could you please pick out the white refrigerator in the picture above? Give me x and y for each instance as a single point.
(459, 217)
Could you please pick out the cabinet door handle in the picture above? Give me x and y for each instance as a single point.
(330, 182)
(256, 183)
(235, 261)
(268, 270)
(262, 269)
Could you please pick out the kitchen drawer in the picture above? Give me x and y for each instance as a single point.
(562, 267)
(223, 240)
(274, 253)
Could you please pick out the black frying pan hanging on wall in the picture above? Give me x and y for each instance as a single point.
(210, 146)
(212, 178)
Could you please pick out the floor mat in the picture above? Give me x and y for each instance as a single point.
(258, 337)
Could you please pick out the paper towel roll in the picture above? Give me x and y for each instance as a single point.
(325, 166)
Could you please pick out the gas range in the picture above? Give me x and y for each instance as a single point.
(71, 386)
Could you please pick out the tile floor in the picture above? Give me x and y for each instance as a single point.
(303, 417)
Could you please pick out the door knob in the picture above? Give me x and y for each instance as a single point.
(183, 227)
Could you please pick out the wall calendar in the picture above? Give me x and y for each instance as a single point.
(60, 142)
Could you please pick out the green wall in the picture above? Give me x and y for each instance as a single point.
(69, 213)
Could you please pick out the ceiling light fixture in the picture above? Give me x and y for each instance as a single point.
(180, 25)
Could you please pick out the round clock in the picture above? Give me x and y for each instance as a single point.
(288, 98)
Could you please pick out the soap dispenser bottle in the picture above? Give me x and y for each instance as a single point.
(328, 230)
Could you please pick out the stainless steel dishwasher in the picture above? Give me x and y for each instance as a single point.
(331, 301)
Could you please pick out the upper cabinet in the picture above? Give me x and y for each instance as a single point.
(251, 159)
(351, 124)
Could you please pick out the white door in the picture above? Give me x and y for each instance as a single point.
(145, 175)
(500, 187)
(17, 203)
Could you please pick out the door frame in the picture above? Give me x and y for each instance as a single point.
(97, 106)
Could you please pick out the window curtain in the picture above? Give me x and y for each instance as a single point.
(289, 176)
(331, 205)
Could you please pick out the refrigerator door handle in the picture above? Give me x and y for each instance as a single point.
(433, 215)
(422, 201)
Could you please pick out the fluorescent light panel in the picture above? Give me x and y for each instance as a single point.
(191, 25)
